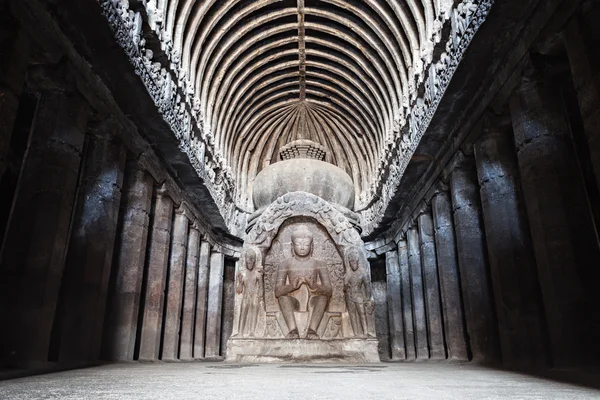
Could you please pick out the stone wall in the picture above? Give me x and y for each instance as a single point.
(503, 243)
(103, 255)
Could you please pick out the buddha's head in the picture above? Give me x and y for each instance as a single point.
(250, 257)
(302, 241)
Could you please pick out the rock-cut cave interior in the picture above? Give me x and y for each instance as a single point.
(324, 199)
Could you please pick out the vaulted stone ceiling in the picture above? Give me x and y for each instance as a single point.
(268, 72)
(348, 74)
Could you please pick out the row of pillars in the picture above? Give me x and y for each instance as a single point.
(502, 263)
(97, 260)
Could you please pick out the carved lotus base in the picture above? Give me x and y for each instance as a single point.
(302, 351)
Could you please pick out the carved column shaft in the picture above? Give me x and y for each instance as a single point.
(582, 38)
(201, 299)
(170, 349)
(521, 322)
(431, 285)
(452, 305)
(394, 299)
(476, 286)
(124, 302)
(158, 260)
(405, 291)
(564, 238)
(214, 305)
(14, 57)
(90, 257)
(418, 300)
(189, 297)
(35, 245)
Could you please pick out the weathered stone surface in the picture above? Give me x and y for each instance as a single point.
(471, 252)
(176, 277)
(14, 56)
(582, 38)
(521, 323)
(450, 291)
(85, 284)
(416, 290)
(201, 299)
(125, 294)
(212, 346)
(407, 309)
(156, 276)
(301, 174)
(435, 328)
(564, 239)
(381, 317)
(35, 246)
(189, 295)
(394, 300)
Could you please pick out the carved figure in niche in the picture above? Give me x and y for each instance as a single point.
(302, 269)
(249, 284)
(358, 293)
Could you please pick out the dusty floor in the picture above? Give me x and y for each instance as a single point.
(302, 382)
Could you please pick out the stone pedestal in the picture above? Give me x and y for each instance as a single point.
(124, 302)
(564, 239)
(302, 350)
(201, 299)
(521, 323)
(452, 305)
(34, 249)
(189, 295)
(394, 299)
(212, 347)
(407, 310)
(170, 349)
(158, 260)
(476, 286)
(435, 329)
(416, 290)
(85, 284)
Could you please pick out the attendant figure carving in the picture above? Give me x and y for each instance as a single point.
(303, 269)
(249, 284)
(358, 293)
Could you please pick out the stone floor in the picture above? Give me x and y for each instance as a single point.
(182, 381)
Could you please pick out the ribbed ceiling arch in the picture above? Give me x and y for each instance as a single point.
(267, 72)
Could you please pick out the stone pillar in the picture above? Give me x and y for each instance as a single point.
(35, 245)
(407, 310)
(394, 300)
(124, 302)
(90, 257)
(582, 39)
(158, 259)
(201, 299)
(418, 301)
(452, 305)
(214, 305)
(170, 349)
(476, 286)
(189, 297)
(564, 238)
(14, 57)
(521, 323)
(437, 350)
